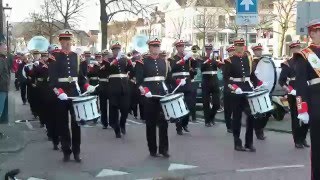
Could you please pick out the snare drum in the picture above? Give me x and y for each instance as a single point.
(86, 108)
(260, 102)
(173, 106)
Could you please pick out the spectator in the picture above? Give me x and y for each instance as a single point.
(4, 83)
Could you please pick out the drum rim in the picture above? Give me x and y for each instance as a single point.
(88, 98)
(275, 73)
(167, 100)
(258, 93)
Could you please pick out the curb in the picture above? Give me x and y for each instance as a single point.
(266, 128)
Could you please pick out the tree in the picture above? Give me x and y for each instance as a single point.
(284, 16)
(110, 8)
(69, 10)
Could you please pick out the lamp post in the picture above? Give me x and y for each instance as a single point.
(7, 11)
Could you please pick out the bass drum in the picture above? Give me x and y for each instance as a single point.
(268, 70)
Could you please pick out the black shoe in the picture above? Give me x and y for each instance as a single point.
(55, 147)
(250, 149)
(154, 155)
(24, 103)
(299, 146)
(305, 144)
(260, 135)
(165, 154)
(229, 131)
(239, 148)
(179, 132)
(185, 128)
(66, 158)
(208, 125)
(77, 158)
(118, 135)
(213, 123)
(123, 131)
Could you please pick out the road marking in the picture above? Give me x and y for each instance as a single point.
(270, 168)
(146, 179)
(33, 178)
(134, 122)
(29, 125)
(110, 172)
(173, 167)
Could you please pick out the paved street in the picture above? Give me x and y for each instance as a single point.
(204, 154)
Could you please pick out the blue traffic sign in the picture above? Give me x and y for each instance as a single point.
(247, 6)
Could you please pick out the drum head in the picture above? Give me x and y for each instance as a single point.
(266, 72)
(258, 93)
(83, 99)
(171, 97)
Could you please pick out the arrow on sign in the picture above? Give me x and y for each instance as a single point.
(246, 4)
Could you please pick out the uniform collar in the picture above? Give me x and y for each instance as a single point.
(239, 54)
(154, 56)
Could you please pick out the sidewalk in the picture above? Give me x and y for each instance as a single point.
(14, 134)
(273, 125)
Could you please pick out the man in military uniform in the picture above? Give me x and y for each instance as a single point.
(22, 79)
(119, 90)
(237, 68)
(307, 84)
(260, 122)
(194, 85)
(64, 70)
(103, 88)
(227, 98)
(151, 74)
(134, 90)
(94, 69)
(287, 81)
(210, 86)
(181, 65)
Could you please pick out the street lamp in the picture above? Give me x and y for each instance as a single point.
(7, 11)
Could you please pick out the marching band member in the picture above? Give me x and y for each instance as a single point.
(22, 79)
(180, 65)
(227, 97)
(287, 81)
(103, 89)
(93, 70)
(84, 68)
(64, 69)
(119, 90)
(193, 73)
(16, 62)
(151, 73)
(307, 86)
(210, 86)
(238, 69)
(260, 122)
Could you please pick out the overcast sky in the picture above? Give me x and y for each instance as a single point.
(22, 8)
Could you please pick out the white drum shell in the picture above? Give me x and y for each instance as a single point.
(174, 106)
(260, 102)
(86, 108)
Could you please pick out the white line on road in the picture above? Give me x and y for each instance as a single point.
(270, 168)
(29, 125)
(134, 122)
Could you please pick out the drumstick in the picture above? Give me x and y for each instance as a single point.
(87, 91)
(157, 96)
(176, 88)
(248, 92)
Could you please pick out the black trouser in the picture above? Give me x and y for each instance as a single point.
(103, 97)
(240, 104)
(118, 101)
(69, 143)
(155, 117)
(210, 94)
(134, 98)
(141, 106)
(23, 90)
(299, 132)
(227, 102)
(33, 99)
(192, 108)
(16, 82)
(261, 122)
(184, 121)
(314, 122)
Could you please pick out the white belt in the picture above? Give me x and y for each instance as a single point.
(314, 81)
(181, 74)
(104, 79)
(41, 79)
(68, 79)
(118, 76)
(209, 72)
(244, 79)
(94, 78)
(291, 79)
(155, 78)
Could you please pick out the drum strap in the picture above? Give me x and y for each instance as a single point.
(306, 52)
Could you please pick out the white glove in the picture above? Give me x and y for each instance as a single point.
(293, 92)
(148, 94)
(187, 56)
(211, 55)
(63, 96)
(120, 55)
(183, 82)
(95, 63)
(238, 91)
(36, 63)
(91, 89)
(304, 117)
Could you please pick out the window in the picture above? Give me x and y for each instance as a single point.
(232, 20)
(210, 21)
(199, 21)
(253, 38)
(222, 21)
